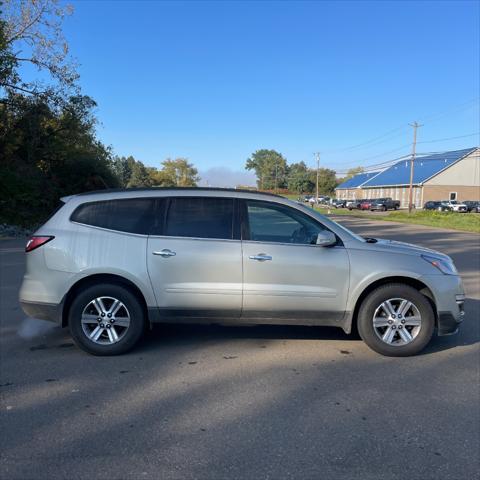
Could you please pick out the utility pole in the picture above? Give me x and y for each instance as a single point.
(317, 156)
(276, 175)
(415, 125)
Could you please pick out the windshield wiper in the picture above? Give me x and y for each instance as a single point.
(371, 240)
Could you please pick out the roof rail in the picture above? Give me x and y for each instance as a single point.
(155, 189)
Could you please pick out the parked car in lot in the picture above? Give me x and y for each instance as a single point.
(436, 205)
(109, 264)
(384, 204)
(455, 206)
(365, 205)
(353, 204)
(339, 203)
(472, 205)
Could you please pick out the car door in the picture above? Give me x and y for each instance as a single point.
(194, 260)
(286, 275)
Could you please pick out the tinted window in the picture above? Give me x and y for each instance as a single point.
(134, 215)
(200, 217)
(277, 223)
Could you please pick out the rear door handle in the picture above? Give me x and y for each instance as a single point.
(165, 253)
(260, 257)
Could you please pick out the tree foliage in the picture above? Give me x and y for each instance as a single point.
(32, 34)
(46, 154)
(270, 168)
(296, 177)
(299, 178)
(353, 171)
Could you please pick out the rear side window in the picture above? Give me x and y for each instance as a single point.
(133, 215)
(200, 217)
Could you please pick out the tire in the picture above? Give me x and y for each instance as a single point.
(418, 323)
(130, 319)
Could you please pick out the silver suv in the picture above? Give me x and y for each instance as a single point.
(108, 264)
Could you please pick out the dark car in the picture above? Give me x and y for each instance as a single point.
(339, 203)
(436, 205)
(472, 205)
(384, 204)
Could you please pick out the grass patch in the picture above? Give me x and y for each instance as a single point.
(467, 222)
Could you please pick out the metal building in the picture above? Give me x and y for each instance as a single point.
(453, 175)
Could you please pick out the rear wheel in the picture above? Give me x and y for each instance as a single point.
(396, 320)
(106, 319)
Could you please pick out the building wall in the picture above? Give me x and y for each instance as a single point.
(348, 193)
(442, 192)
(465, 172)
(396, 193)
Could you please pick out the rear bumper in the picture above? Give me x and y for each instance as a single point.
(44, 311)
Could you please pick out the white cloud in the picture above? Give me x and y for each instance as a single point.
(226, 177)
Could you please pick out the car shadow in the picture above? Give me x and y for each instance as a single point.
(195, 334)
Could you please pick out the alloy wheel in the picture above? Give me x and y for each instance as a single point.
(105, 320)
(397, 321)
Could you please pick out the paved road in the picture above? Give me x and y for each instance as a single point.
(245, 402)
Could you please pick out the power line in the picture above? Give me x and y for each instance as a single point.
(374, 141)
(371, 142)
(450, 138)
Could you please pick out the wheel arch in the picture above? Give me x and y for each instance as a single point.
(412, 282)
(97, 278)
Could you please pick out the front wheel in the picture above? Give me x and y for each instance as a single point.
(106, 319)
(396, 320)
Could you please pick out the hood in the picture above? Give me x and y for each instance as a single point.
(405, 248)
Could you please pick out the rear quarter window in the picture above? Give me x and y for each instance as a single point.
(133, 215)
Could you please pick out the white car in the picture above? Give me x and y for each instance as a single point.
(456, 206)
(109, 264)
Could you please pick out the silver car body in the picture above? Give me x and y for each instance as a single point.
(216, 280)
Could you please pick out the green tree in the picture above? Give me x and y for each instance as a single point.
(140, 176)
(177, 172)
(353, 171)
(298, 179)
(122, 166)
(47, 153)
(32, 35)
(270, 168)
(327, 180)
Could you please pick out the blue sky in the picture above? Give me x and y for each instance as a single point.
(214, 81)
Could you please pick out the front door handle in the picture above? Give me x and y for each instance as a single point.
(260, 257)
(165, 253)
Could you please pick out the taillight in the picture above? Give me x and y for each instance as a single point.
(35, 242)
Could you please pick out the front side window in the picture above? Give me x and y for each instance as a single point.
(200, 217)
(133, 215)
(277, 223)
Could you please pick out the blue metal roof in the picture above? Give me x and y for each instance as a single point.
(358, 180)
(425, 167)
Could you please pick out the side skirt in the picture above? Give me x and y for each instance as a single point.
(327, 319)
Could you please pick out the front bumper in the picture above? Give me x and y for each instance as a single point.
(448, 322)
(449, 297)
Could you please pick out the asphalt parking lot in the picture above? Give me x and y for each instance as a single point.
(241, 402)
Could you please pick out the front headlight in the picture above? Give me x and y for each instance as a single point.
(446, 267)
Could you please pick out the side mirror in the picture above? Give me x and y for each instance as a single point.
(326, 238)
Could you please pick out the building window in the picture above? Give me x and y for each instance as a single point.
(453, 195)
